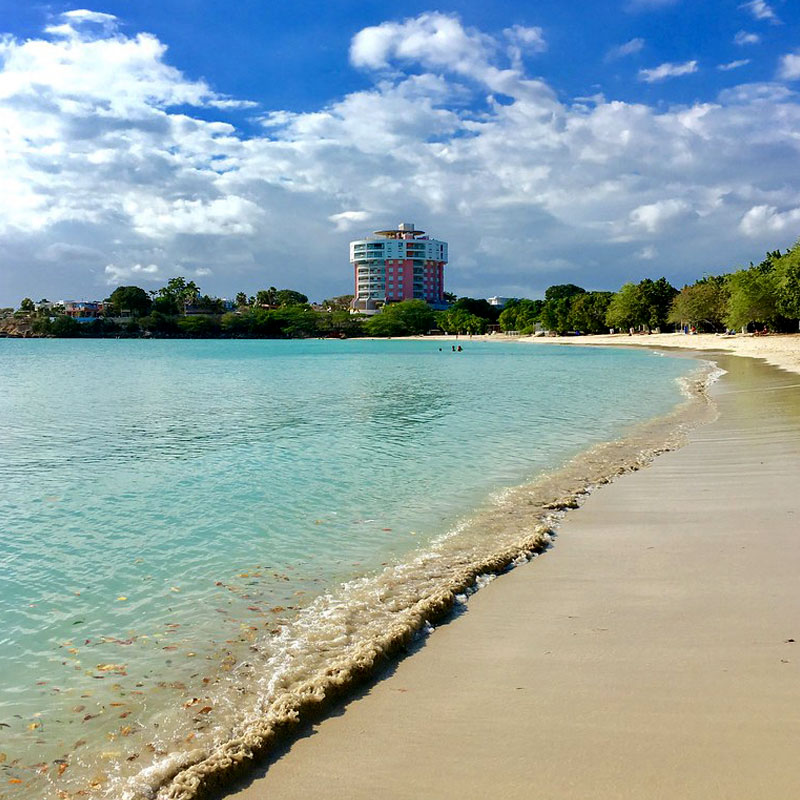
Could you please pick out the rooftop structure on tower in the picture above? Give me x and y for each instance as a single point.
(397, 264)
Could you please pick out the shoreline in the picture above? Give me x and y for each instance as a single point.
(778, 349)
(427, 588)
(442, 705)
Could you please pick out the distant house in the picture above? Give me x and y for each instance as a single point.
(83, 310)
(499, 302)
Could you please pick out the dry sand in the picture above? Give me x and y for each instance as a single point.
(646, 655)
(782, 350)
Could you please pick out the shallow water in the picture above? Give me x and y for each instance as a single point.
(176, 517)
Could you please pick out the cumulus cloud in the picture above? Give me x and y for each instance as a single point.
(667, 70)
(347, 220)
(767, 220)
(432, 39)
(742, 62)
(745, 37)
(761, 10)
(629, 48)
(789, 67)
(139, 272)
(653, 217)
(105, 181)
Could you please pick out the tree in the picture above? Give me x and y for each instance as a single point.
(704, 304)
(459, 320)
(65, 327)
(416, 315)
(199, 326)
(623, 310)
(558, 300)
(265, 297)
(520, 315)
(449, 297)
(27, 305)
(787, 270)
(646, 304)
(753, 297)
(241, 299)
(587, 312)
(477, 307)
(554, 315)
(340, 322)
(130, 299)
(409, 317)
(288, 297)
(158, 323)
(176, 295)
(338, 303)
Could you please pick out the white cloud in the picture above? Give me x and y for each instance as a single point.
(667, 70)
(139, 272)
(765, 220)
(653, 217)
(103, 181)
(761, 10)
(432, 39)
(744, 37)
(629, 48)
(743, 62)
(789, 69)
(347, 220)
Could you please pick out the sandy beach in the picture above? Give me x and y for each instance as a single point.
(781, 350)
(652, 652)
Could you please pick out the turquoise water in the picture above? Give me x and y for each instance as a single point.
(167, 505)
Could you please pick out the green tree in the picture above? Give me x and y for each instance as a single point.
(130, 299)
(176, 295)
(787, 271)
(520, 315)
(340, 322)
(587, 312)
(554, 315)
(385, 325)
(409, 317)
(477, 307)
(158, 323)
(199, 326)
(265, 297)
(562, 290)
(338, 303)
(27, 305)
(65, 327)
(753, 297)
(646, 304)
(624, 309)
(288, 297)
(704, 304)
(460, 320)
(241, 299)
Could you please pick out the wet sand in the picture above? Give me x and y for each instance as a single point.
(646, 655)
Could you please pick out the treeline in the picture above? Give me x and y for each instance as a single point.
(757, 297)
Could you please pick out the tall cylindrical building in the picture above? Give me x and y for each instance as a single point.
(398, 264)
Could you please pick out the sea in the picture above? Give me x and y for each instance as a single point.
(202, 539)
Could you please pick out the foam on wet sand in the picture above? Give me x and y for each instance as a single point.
(651, 653)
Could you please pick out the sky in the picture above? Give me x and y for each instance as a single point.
(243, 145)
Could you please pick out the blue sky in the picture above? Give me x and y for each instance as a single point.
(244, 144)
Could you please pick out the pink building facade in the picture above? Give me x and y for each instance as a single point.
(398, 264)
